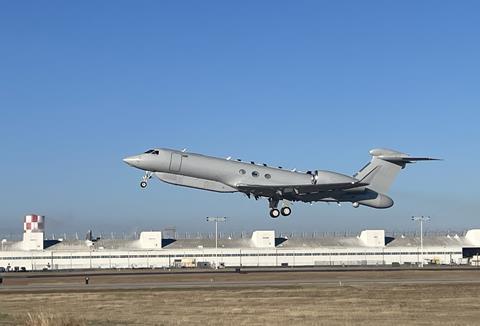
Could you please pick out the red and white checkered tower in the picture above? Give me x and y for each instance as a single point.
(33, 227)
(34, 223)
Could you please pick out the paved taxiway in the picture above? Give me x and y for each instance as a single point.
(130, 281)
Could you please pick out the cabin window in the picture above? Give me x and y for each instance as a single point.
(255, 174)
(267, 176)
(242, 171)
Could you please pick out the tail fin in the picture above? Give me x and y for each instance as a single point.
(384, 167)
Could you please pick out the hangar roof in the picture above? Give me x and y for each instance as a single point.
(245, 243)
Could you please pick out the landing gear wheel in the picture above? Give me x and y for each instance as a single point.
(286, 211)
(143, 184)
(274, 213)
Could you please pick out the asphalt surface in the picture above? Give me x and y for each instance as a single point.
(64, 282)
(177, 271)
(222, 284)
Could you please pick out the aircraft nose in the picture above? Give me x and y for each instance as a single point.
(132, 160)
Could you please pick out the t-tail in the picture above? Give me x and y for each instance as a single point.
(385, 165)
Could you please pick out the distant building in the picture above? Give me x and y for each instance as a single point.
(371, 247)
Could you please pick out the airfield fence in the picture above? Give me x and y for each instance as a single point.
(231, 235)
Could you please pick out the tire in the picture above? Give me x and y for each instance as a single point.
(143, 184)
(274, 213)
(286, 211)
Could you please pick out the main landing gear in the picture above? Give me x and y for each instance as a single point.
(275, 212)
(146, 177)
(286, 211)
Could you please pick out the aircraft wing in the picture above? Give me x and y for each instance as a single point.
(272, 190)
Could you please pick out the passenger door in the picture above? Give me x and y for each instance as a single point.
(176, 162)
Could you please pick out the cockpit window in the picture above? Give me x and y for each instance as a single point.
(152, 151)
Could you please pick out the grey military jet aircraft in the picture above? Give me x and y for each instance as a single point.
(367, 187)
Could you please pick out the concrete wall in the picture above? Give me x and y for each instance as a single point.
(32, 241)
(373, 238)
(263, 239)
(150, 240)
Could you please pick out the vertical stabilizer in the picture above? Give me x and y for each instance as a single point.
(384, 167)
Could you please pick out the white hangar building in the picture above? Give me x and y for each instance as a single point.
(262, 249)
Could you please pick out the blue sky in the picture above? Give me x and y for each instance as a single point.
(305, 84)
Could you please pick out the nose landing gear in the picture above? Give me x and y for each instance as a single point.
(146, 177)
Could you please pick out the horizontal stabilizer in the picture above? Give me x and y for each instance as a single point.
(398, 157)
(407, 159)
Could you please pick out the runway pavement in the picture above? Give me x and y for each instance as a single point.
(109, 282)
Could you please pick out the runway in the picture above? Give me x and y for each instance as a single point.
(255, 279)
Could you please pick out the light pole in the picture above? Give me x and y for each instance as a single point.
(421, 219)
(216, 220)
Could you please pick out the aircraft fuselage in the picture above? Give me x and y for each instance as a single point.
(277, 184)
(230, 173)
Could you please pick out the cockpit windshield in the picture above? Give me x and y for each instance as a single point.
(152, 151)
